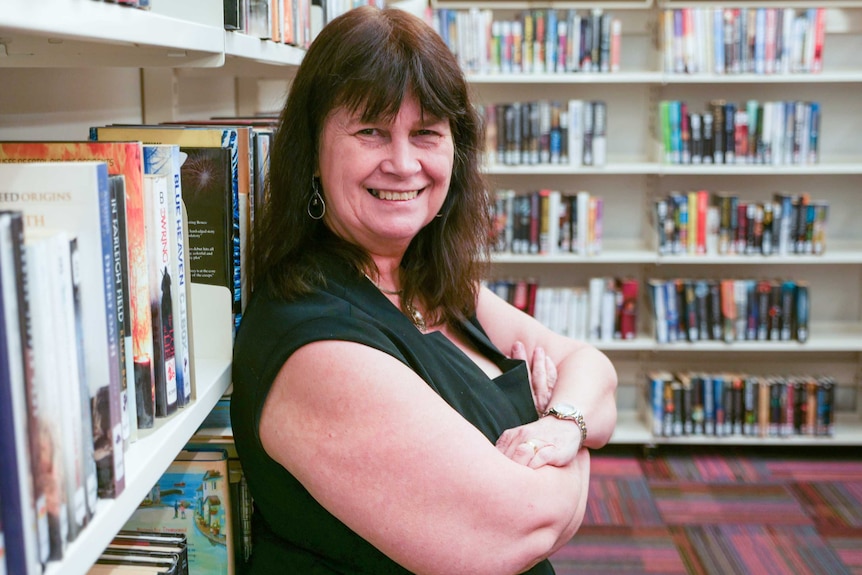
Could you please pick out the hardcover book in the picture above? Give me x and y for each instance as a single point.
(192, 497)
(219, 137)
(161, 302)
(23, 511)
(126, 159)
(166, 160)
(74, 196)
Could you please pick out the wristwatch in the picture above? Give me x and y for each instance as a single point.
(569, 412)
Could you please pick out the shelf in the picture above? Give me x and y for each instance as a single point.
(525, 4)
(839, 168)
(837, 337)
(631, 430)
(664, 79)
(145, 461)
(826, 77)
(631, 252)
(250, 56)
(644, 77)
(847, 167)
(84, 33)
(611, 169)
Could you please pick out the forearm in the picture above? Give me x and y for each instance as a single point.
(588, 381)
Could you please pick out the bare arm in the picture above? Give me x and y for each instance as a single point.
(387, 456)
(585, 378)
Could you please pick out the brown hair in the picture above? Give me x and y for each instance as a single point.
(368, 60)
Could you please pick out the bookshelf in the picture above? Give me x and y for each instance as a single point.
(66, 65)
(635, 176)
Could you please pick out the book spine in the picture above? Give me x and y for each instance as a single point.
(119, 274)
(160, 300)
(20, 493)
(179, 303)
(106, 406)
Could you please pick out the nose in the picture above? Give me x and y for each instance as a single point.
(402, 159)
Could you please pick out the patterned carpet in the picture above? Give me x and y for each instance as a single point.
(725, 511)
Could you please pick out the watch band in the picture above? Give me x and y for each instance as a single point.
(569, 413)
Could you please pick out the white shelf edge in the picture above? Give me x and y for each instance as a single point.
(835, 337)
(243, 46)
(659, 78)
(631, 430)
(145, 460)
(84, 32)
(621, 251)
(524, 4)
(847, 167)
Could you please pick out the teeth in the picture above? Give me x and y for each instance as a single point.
(396, 196)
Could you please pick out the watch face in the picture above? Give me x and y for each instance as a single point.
(564, 409)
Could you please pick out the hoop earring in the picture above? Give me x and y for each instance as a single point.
(316, 206)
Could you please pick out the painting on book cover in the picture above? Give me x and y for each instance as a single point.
(193, 501)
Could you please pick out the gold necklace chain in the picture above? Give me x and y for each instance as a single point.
(414, 314)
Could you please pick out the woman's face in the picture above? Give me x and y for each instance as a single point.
(384, 181)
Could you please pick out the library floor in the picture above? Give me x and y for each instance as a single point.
(700, 510)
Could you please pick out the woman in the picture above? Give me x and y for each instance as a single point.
(380, 428)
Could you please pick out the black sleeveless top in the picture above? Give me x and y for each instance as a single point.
(291, 532)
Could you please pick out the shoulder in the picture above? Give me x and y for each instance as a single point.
(272, 328)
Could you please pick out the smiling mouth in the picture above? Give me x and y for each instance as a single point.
(393, 195)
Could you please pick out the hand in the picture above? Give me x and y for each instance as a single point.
(543, 375)
(548, 441)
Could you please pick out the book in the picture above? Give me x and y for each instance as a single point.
(157, 539)
(74, 196)
(126, 159)
(66, 385)
(122, 285)
(236, 141)
(23, 511)
(161, 302)
(168, 562)
(192, 497)
(47, 374)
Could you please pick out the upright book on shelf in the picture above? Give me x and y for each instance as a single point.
(192, 497)
(23, 512)
(74, 196)
(166, 160)
(236, 141)
(126, 159)
(161, 303)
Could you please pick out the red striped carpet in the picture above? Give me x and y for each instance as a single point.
(725, 511)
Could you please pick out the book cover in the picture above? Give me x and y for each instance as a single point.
(192, 497)
(74, 196)
(161, 303)
(126, 159)
(23, 510)
(166, 160)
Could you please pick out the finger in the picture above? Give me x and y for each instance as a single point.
(551, 371)
(525, 452)
(519, 351)
(538, 368)
(539, 382)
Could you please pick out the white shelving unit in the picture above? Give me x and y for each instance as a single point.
(634, 176)
(68, 64)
